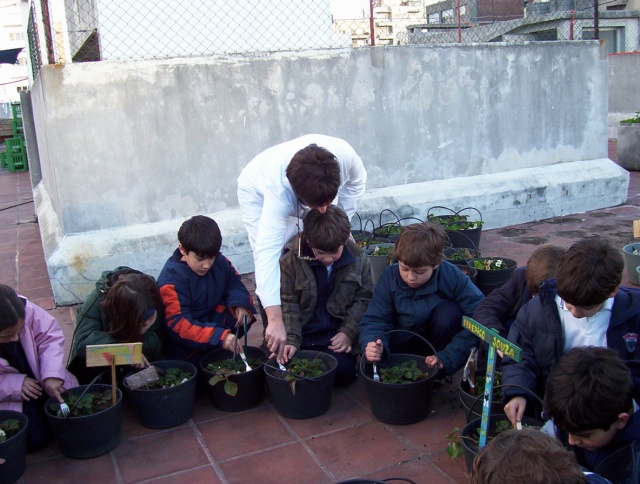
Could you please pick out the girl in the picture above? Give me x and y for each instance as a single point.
(31, 363)
(128, 311)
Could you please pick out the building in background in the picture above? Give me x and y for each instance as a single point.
(13, 77)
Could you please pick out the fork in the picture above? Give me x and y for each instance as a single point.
(376, 377)
(246, 363)
(64, 408)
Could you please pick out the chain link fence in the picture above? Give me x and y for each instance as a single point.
(99, 30)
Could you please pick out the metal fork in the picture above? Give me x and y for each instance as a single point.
(64, 408)
(246, 363)
(376, 377)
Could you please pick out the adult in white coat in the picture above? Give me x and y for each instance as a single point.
(275, 190)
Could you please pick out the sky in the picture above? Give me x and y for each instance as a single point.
(349, 8)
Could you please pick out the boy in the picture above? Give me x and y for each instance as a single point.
(275, 189)
(583, 306)
(326, 284)
(589, 397)
(425, 295)
(528, 456)
(202, 293)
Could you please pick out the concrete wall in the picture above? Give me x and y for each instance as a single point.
(130, 149)
(624, 95)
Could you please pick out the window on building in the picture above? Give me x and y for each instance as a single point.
(447, 16)
(433, 18)
(21, 88)
(16, 36)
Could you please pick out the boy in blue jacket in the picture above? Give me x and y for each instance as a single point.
(202, 292)
(583, 306)
(424, 295)
(589, 398)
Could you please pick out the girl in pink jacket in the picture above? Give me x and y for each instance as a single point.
(31, 363)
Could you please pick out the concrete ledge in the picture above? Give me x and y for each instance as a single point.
(75, 261)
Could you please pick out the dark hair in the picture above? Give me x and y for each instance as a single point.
(542, 265)
(126, 303)
(200, 234)
(327, 231)
(589, 387)
(589, 272)
(420, 245)
(525, 456)
(11, 307)
(314, 175)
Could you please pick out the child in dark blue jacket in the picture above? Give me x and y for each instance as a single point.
(589, 398)
(202, 292)
(583, 306)
(424, 295)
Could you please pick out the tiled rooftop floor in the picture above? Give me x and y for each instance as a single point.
(258, 445)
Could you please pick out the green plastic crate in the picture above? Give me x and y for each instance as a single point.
(17, 162)
(15, 145)
(3, 159)
(16, 126)
(16, 110)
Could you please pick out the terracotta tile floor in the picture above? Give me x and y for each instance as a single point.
(258, 445)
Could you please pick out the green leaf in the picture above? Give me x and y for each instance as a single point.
(455, 450)
(216, 379)
(230, 388)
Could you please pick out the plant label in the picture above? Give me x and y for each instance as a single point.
(636, 228)
(123, 353)
(495, 341)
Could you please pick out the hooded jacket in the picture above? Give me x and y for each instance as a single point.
(43, 343)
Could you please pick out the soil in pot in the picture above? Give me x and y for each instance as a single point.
(303, 396)
(13, 445)
(497, 423)
(94, 426)
(493, 272)
(169, 401)
(400, 401)
(248, 385)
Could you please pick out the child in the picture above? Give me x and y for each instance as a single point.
(125, 307)
(202, 292)
(528, 456)
(424, 295)
(499, 309)
(325, 289)
(582, 306)
(589, 397)
(31, 363)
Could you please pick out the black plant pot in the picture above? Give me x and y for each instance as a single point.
(379, 262)
(88, 436)
(399, 403)
(164, 407)
(14, 450)
(469, 431)
(473, 409)
(489, 280)
(250, 383)
(312, 398)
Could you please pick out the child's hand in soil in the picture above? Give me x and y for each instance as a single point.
(432, 361)
(30, 389)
